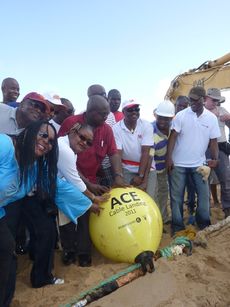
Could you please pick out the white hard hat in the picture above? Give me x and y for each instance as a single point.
(165, 108)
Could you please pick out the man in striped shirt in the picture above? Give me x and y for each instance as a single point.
(161, 129)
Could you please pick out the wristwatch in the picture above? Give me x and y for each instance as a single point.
(140, 175)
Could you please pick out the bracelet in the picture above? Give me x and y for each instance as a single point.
(93, 197)
(119, 175)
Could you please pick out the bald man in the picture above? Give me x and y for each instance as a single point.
(10, 91)
(89, 162)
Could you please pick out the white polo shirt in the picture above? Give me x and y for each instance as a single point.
(130, 142)
(194, 136)
(67, 164)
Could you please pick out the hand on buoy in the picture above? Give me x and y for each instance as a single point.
(95, 209)
(101, 199)
(97, 189)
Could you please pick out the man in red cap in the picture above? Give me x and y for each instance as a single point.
(32, 108)
(134, 137)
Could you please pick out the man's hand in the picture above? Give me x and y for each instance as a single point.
(119, 182)
(224, 117)
(143, 186)
(95, 208)
(101, 199)
(136, 181)
(169, 165)
(97, 189)
(212, 163)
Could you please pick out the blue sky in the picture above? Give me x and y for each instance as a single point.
(134, 46)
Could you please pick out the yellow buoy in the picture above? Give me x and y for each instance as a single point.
(129, 223)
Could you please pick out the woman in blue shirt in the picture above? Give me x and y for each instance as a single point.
(25, 161)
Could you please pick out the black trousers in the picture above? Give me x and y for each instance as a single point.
(12, 220)
(7, 264)
(76, 239)
(42, 229)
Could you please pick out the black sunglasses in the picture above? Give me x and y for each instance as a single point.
(133, 110)
(38, 105)
(84, 139)
(45, 136)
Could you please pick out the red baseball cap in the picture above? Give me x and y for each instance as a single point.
(37, 97)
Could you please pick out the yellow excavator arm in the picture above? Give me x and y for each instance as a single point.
(209, 74)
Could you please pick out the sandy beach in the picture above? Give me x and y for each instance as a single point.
(201, 279)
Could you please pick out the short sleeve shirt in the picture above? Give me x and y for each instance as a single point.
(194, 134)
(8, 123)
(130, 143)
(67, 164)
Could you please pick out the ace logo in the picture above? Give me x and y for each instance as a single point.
(124, 198)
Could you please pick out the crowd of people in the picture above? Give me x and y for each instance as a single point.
(56, 167)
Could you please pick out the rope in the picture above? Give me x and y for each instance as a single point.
(201, 237)
(176, 247)
(81, 299)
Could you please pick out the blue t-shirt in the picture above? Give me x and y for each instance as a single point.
(68, 198)
(13, 104)
(10, 188)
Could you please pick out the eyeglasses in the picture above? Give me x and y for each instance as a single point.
(38, 105)
(45, 136)
(84, 139)
(133, 110)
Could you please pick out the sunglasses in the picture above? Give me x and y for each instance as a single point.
(38, 105)
(133, 110)
(45, 136)
(84, 139)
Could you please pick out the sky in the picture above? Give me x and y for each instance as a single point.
(137, 47)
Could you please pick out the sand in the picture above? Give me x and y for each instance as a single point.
(202, 279)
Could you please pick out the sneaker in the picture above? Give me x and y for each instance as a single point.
(57, 281)
(68, 257)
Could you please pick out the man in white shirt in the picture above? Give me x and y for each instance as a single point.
(193, 130)
(134, 137)
(212, 103)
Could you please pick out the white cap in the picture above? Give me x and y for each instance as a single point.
(129, 103)
(53, 98)
(165, 108)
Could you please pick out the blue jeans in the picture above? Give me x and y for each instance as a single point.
(177, 182)
(191, 194)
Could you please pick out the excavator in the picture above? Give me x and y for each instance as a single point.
(209, 74)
